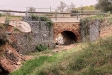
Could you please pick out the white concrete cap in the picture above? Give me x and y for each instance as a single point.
(21, 25)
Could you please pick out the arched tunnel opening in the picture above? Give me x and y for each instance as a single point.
(66, 38)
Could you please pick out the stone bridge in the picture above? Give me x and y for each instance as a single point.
(66, 30)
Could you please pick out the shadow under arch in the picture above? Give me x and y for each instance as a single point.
(66, 37)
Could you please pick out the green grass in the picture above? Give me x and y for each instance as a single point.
(87, 59)
(33, 67)
(30, 65)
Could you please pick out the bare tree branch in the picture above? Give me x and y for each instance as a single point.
(61, 7)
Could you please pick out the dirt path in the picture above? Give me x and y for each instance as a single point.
(64, 47)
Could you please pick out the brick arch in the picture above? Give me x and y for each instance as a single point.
(71, 30)
(73, 27)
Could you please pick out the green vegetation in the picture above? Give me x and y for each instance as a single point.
(90, 59)
(0, 14)
(85, 12)
(110, 20)
(104, 5)
(41, 18)
(2, 26)
(29, 66)
(91, 7)
(48, 21)
(41, 48)
(85, 9)
(11, 18)
(86, 59)
(84, 24)
(7, 21)
(15, 29)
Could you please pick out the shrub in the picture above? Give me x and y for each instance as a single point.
(15, 29)
(2, 26)
(0, 14)
(110, 21)
(42, 18)
(41, 47)
(7, 21)
(92, 71)
(34, 17)
(77, 65)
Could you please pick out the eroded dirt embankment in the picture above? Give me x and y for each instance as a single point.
(106, 31)
(10, 60)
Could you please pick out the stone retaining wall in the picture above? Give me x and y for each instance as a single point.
(90, 30)
(41, 34)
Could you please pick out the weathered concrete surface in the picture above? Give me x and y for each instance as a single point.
(20, 25)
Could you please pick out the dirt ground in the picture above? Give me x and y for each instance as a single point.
(10, 60)
(64, 47)
(11, 18)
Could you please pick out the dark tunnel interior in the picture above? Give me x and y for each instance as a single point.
(69, 37)
(66, 38)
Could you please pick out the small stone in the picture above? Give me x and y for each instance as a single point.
(21, 54)
(9, 51)
(18, 63)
